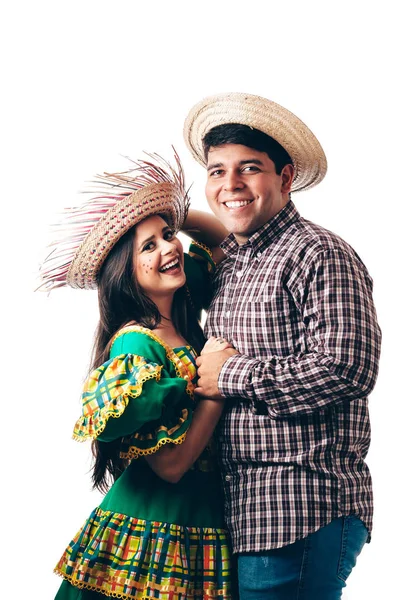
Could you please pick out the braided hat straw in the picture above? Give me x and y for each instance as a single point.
(86, 233)
(300, 143)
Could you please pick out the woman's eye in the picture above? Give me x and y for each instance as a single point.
(148, 246)
(169, 235)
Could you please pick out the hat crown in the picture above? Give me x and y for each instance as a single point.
(289, 131)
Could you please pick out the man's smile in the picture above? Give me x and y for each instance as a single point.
(235, 204)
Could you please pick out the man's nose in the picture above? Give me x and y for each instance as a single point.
(233, 181)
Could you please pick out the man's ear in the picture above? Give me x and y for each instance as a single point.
(287, 175)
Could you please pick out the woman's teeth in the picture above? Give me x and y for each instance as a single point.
(169, 265)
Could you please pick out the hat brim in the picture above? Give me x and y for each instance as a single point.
(164, 199)
(300, 143)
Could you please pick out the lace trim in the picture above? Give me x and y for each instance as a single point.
(171, 595)
(203, 246)
(81, 585)
(179, 365)
(211, 266)
(134, 452)
(80, 435)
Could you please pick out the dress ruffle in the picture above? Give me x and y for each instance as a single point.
(108, 389)
(143, 444)
(125, 557)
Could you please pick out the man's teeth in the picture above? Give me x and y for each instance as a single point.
(237, 203)
(169, 265)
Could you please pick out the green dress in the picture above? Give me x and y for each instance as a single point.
(148, 538)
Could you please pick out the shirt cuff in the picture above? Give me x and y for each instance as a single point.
(235, 376)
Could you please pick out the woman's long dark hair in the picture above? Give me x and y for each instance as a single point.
(121, 301)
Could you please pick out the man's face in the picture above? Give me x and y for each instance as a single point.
(243, 189)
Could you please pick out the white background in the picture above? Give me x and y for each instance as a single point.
(83, 83)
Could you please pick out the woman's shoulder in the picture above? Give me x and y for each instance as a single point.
(134, 338)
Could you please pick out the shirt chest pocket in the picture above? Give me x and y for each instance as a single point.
(272, 323)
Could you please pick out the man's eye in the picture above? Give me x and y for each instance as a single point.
(215, 173)
(251, 168)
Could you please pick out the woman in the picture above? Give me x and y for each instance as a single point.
(159, 531)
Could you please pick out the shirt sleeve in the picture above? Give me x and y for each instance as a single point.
(343, 338)
(199, 269)
(133, 396)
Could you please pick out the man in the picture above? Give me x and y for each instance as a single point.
(295, 301)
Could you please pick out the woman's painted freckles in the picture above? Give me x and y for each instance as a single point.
(156, 247)
(148, 265)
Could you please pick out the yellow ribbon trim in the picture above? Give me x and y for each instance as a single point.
(161, 589)
(133, 452)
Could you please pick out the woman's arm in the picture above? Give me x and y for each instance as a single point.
(205, 227)
(162, 399)
(171, 462)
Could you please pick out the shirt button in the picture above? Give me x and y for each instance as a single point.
(228, 313)
(259, 254)
(228, 478)
(239, 273)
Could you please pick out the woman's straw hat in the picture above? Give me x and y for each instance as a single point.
(259, 113)
(87, 233)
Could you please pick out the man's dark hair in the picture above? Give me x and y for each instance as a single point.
(234, 133)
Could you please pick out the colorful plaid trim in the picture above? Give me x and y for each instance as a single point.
(187, 355)
(124, 557)
(107, 391)
(179, 366)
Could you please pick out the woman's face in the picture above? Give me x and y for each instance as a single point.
(158, 258)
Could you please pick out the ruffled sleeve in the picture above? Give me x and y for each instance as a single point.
(142, 395)
(199, 269)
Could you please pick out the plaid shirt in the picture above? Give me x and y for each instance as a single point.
(296, 302)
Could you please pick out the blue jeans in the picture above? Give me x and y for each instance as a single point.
(313, 568)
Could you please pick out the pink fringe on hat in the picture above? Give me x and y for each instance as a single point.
(86, 233)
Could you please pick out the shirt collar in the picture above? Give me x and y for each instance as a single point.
(268, 233)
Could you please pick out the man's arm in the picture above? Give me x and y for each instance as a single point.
(343, 345)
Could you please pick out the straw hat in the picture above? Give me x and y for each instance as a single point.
(87, 233)
(259, 113)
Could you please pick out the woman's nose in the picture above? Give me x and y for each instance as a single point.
(167, 247)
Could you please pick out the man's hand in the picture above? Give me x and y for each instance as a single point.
(215, 344)
(209, 368)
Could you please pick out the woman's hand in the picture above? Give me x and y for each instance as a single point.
(215, 344)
